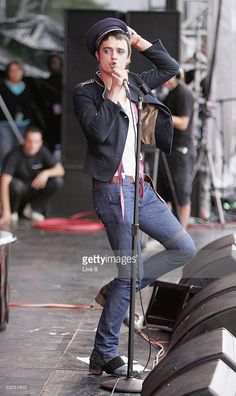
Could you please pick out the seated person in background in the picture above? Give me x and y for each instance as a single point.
(30, 174)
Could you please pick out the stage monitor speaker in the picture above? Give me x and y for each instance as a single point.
(165, 304)
(218, 312)
(216, 344)
(219, 243)
(215, 260)
(220, 286)
(79, 65)
(213, 378)
(154, 25)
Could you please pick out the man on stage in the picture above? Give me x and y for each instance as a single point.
(108, 119)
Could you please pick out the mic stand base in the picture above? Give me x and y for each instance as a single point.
(123, 385)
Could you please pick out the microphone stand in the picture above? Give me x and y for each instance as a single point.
(130, 384)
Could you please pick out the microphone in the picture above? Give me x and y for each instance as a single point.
(124, 82)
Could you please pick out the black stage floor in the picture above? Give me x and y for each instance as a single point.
(44, 350)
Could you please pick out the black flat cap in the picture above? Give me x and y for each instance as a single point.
(97, 31)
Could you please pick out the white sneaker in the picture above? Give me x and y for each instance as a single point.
(31, 214)
(14, 218)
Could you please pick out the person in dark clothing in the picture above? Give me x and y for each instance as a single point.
(181, 161)
(17, 97)
(30, 174)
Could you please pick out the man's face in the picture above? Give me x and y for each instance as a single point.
(33, 142)
(55, 65)
(15, 73)
(112, 53)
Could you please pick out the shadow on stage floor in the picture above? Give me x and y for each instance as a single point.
(44, 350)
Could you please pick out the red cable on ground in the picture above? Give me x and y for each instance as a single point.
(75, 223)
(58, 306)
(192, 227)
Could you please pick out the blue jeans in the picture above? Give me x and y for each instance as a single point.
(156, 220)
